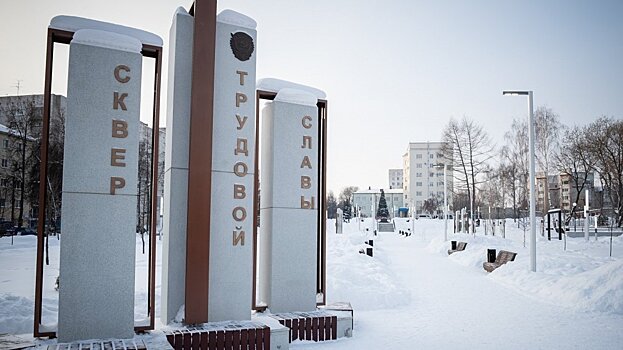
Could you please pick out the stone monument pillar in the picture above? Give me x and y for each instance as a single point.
(288, 206)
(176, 166)
(230, 256)
(339, 221)
(97, 257)
(233, 164)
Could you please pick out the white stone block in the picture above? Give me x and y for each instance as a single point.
(288, 230)
(176, 167)
(179, 91)
(96, 297)
(228, 83)
(231, 262)
(283, 155)
(174, 243)
(288, 259)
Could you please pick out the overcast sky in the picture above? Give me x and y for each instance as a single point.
(393, 71)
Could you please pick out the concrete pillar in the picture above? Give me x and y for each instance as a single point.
(97, 257)
(176, 166)
(289, 203)
(233, 164)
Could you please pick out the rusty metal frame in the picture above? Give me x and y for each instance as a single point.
(321, 249)
(151, 51)
(200, 163)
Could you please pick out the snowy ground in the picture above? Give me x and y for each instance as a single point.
(411, 294)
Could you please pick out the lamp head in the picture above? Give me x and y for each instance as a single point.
(516, 93)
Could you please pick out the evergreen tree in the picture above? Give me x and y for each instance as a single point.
(382, 211)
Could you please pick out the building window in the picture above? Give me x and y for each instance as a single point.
(418, 175)
(431, 174)
(5, 143)
(418, 193)
(5, 163)
(418, 156)
(418, 165)
(431, 156)
(418, 184)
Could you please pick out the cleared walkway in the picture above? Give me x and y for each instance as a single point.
(455, 307)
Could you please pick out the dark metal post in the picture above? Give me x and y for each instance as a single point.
(200, 163)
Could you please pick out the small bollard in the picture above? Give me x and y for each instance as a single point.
(453, 245)
(491, 255)
(369, 251)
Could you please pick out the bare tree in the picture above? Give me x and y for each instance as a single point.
(547, 132)
(431, 205)
(575, 161)
(515, 152)
(22, 117)
(606, 148)
(143, 204)
(346, 195)
(470, 147)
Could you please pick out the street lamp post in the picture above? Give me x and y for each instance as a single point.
(532, 177)
(445, 200)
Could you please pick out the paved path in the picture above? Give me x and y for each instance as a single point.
(456, 307)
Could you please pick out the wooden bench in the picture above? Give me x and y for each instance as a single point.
(460, 246)
(502, 258)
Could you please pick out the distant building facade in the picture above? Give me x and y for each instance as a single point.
(367, 201)
(561, 190)
(423, 176)
(21, 121)
(395, 178)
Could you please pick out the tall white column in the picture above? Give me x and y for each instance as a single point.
(289, 202)
(176, 166)
(97, 257)
(233, 164)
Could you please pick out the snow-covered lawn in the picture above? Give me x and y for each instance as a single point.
(411, 294)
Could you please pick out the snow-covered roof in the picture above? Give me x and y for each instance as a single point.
(100, 38)
(275, 85)
(235, 18)
(74, 24)
(378, 191)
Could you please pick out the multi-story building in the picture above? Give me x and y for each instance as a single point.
(561, 190)
(20, 117)
(395, 178)
(367, 201)
(11, 176)
(423, 178)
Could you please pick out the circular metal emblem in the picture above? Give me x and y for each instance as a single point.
(241, 45)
